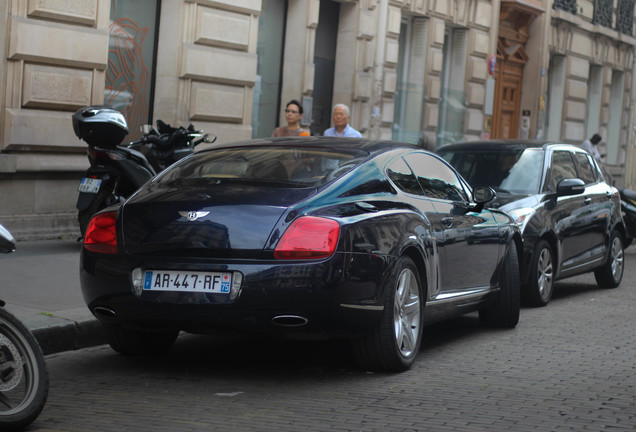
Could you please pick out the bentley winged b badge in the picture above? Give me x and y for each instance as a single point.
(193, 215)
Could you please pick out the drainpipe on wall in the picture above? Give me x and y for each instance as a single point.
(378, 71)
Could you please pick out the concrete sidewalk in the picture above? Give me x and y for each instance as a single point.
(40, 285)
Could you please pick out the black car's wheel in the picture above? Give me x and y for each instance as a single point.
(611, 274)
(538, 291)
(504, 312)
(394, 344)
(135, 342)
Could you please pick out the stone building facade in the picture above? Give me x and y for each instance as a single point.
(427, 71)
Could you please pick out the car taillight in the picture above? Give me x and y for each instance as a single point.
(308, 237)
(101, 235)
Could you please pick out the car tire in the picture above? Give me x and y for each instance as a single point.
(136, 342)
(611, 274)
(395, 342)
(538, 291)
(504, 312)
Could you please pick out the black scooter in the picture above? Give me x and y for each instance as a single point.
(117, 171)
(24, 380)
(628, 208)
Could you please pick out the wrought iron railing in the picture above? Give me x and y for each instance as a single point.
(566, 5)
(625, 17)
(603, 10)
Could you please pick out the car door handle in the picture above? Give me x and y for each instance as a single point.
(448, 221)
(587, 201)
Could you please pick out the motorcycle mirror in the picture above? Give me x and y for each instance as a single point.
(7, 242)
(209, 139)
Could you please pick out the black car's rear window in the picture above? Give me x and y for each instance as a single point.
(275, 166)
(514, 170)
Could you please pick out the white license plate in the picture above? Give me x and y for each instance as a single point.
(207, 282)
(90, 185)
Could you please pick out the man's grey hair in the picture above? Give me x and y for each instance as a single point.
(347, 110)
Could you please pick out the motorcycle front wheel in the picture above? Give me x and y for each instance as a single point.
(24, 381)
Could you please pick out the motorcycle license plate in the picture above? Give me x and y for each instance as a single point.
(207, 282)
(90, 185)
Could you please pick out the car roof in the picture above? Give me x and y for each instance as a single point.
(506, 144)
(370, 146)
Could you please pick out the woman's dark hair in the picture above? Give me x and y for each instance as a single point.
(596, 138)
(295, 102)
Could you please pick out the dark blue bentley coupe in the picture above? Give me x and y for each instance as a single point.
(302, 238)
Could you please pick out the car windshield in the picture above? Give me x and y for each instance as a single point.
(271, 166)
(516, 170)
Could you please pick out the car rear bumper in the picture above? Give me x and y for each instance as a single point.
(339, 297)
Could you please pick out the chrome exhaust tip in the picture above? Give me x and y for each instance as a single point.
(104, 312)
(289, 321)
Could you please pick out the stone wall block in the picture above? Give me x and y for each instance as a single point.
(56, 87)
(313, 14)
(41, 129)
(215, 27)
(483, 14)
(477, 69)
(216, 64)
(244, 6)
(478, 43)
(308, 82)
(394, 21)
(44, 42)
(390, 81)
(476, 95)
(576, 90)
(367, 26)
(578, 68)
(71, 11)
(474, 120)
(573, 131)
(363, 86)
(216, 102)
(432, 115)
(437, 29)
(434, 87)
(574, 110)
(392, 51)
(581, 44)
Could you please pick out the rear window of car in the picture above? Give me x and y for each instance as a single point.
(272, 166)
(515, 170)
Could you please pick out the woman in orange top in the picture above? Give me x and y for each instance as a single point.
(293, 114)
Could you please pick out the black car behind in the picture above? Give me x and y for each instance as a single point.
(569, 215)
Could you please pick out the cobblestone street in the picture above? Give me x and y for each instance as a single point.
(567, 366)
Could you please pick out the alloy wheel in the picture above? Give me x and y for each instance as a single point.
(618, 258)
(545, 273)
(406, 313)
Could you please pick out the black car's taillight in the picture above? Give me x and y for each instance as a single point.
(308, 237)
(101, 235)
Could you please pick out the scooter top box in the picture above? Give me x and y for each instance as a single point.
(100, 126)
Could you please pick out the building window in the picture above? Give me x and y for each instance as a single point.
(603, 13)
(266, 101)
(594, 100)
(131, 61)
(410, 90)
(625, 17)
(616, 111)
(565, 5)
(452, 108)
(556, 88)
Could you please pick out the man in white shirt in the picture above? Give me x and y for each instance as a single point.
(590, 146)
(341, 116)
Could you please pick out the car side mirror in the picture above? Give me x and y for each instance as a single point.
(483, 194)
(573, 186)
